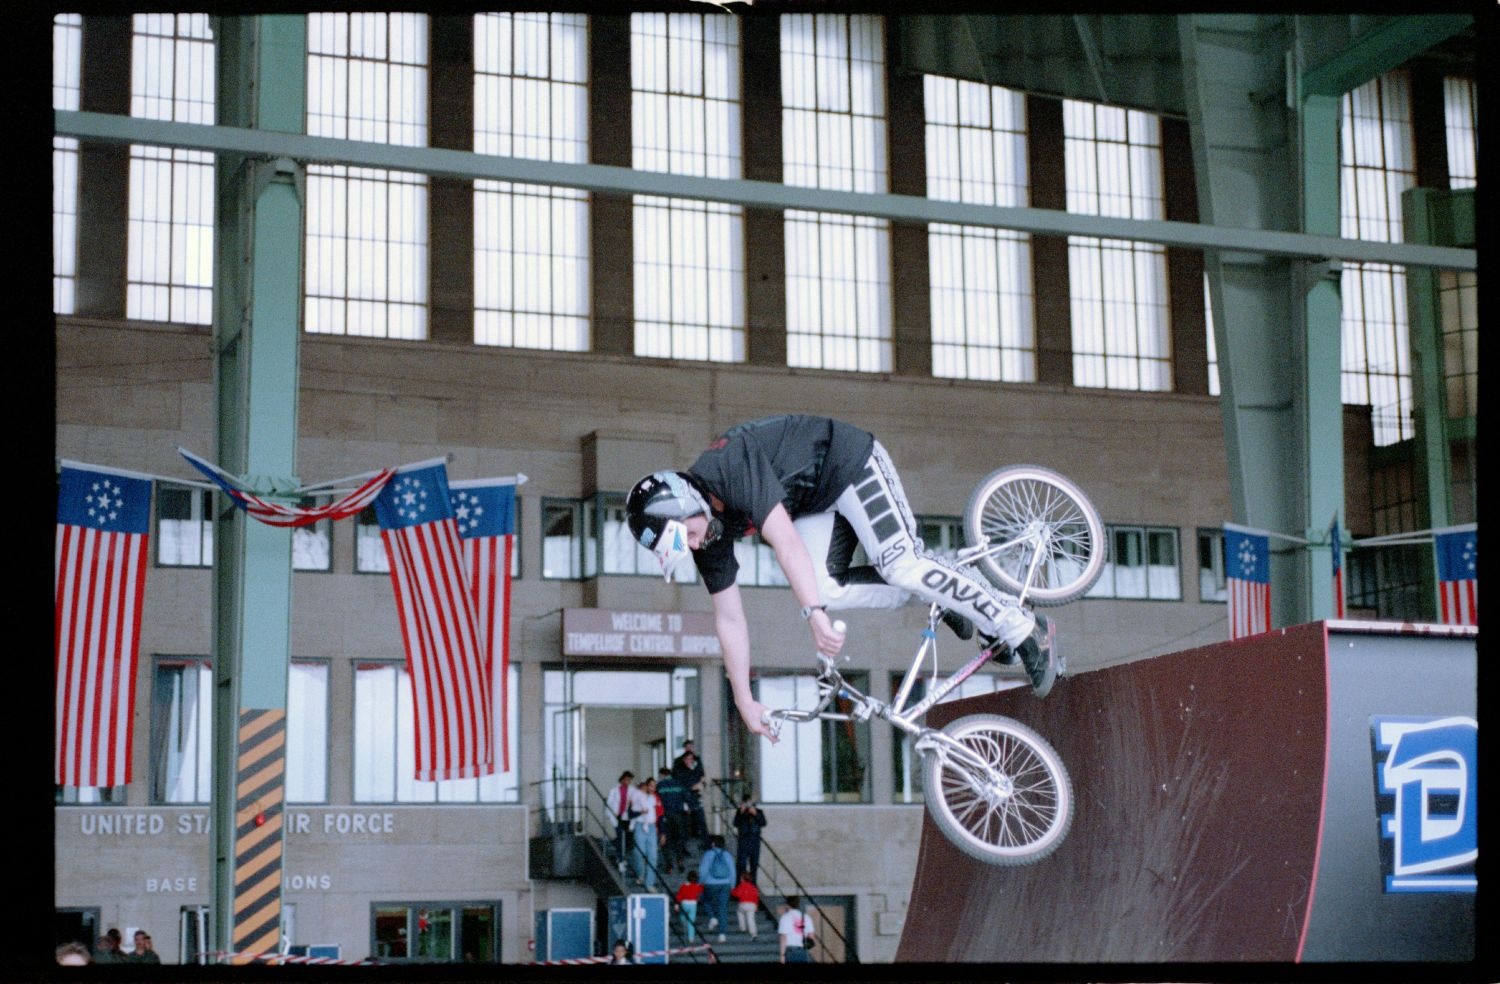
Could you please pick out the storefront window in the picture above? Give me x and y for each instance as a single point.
(436, 932)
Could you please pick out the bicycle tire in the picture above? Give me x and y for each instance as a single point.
(1018, 825)
(1012, 499)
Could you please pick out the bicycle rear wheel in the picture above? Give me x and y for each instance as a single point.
(1017, 809)
(1022, 500)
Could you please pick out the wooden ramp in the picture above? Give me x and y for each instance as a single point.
(1231, 807)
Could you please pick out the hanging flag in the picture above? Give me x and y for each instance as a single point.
(451, 694)
(1458, 574)
(485, 511)
(1336, 548)
(103, 527)
(279, 514)
(1247, 569)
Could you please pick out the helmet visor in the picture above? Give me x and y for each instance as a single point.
(671, 548)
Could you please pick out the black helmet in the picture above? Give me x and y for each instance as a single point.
(655, 509)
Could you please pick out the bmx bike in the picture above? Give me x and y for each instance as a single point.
(995, 788)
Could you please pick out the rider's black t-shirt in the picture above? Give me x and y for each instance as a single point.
(804, 463)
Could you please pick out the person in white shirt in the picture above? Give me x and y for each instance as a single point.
(618, 804)
(643, 808)
(793, 931)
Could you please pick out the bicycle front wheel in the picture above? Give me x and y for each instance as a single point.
(1015, 809)
(1043, 517)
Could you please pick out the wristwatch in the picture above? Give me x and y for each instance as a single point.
(807, 610)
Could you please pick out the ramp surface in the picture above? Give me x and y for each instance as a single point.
(1200, 787)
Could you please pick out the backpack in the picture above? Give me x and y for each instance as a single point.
(719, 866)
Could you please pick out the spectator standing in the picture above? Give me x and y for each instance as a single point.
(643, 808)
(674, 820)
(716, 872)
(748, 820)
(687, 770)
(688, 895)
(621, 953)
(143, 953)
(619, 808)
(794, 932)
(747, 897)
(107, 950)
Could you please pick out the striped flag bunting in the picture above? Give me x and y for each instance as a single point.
(485, 511)
(450, 682)
(1457, 552)
(1247, 571)
(280, 514)
(103, 529)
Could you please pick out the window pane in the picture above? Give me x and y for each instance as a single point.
(184, 527)
(181, 732)
(170, 227)
(366, 262)
(1377, 163)
(531, 244)
(307, 732)
(369, 550)
(561, 539)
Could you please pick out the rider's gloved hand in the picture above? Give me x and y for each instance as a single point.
(826, 639)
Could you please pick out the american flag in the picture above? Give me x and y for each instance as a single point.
(1336, 548)
(1247, 569)
(485, 510)
(1458, 574)
(103, 528)
(451, 693)
(279, 514)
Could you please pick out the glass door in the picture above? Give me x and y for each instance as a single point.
(563, 793)
(193, 939)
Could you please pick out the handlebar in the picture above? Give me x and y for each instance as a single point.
(773, 719)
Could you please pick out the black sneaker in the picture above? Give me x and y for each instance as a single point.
(962, 627)
(1038, 655)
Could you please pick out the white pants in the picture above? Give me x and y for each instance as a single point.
(875, 508)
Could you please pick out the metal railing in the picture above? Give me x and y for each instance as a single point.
(824, 925)
(578, 808)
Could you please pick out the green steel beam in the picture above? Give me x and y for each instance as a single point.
(257, 322)
(1321, 383)
(1378, 51)
(466, 165)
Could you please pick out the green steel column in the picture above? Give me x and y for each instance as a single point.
(261, 83)
(1434, 485)
(1323, 408)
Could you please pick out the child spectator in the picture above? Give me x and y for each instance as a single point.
(748, 897)
(688, 895)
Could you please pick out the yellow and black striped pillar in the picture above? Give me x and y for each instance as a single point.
(260, 803)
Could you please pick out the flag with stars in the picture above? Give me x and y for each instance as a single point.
(1458, 574)
(1247, 573)
(485, 510)
(451, 694)
(103, 526)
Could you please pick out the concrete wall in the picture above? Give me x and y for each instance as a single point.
(130, 393)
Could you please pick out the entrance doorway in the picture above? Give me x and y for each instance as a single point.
(602, 721)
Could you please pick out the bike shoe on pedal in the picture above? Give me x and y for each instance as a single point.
(1038, 655)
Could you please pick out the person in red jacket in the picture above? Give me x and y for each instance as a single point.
(688, 895)
(748, 897)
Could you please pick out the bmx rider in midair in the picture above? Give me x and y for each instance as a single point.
(814, 487)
